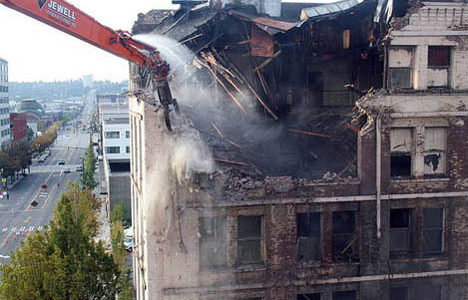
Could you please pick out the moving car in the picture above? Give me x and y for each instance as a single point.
(79, 168)
(44, 186)
(61, 162)
(67, 170)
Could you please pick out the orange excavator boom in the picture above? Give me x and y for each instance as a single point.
(66, 17)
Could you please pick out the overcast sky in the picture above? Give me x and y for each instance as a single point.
(36, 51)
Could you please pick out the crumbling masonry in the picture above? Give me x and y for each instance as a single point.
(329, 160)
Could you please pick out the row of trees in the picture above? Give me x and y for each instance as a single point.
(64, 262)
(89, 167)
(119, 252)
(44, 141)
(15, 157)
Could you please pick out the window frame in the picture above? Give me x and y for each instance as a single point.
(317, 238)
(352, 245)
(220, 238)
(246, 239)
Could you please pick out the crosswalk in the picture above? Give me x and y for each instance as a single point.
(22, 229)
(53, 168)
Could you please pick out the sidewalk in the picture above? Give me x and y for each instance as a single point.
(104, 233)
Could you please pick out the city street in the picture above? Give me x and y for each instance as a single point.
(17, 217)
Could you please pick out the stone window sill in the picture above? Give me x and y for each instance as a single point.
(422, 180)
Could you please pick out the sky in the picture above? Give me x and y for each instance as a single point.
(38, 52)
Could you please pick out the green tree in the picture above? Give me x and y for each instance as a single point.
(63, 263)
(89, 167)
(119, 252)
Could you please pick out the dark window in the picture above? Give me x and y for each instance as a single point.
(212, 242)
(249, 239)
(399, 78)
(433, 230)
(399, 293)
(343, 235)
(112, 134)
(438, 67)
(438, 56)
(127, 134)
(112, 150)
(427, 292)
(400, 164)
(401, 146)
(315, 296)
(348, 295)
(308, 236)
(400, 231)
(127, 149)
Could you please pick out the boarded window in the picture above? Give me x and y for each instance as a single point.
(308, 236)
(315, 296)
(401, 148)
(346, 38)
(212, 241)
(343, 235)
(400, 64)
(400, 230)
(435, 151)
(433, 230)
(348, 295)
(249, 239)
(399, 293)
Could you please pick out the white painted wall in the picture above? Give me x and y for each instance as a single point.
(122, 142)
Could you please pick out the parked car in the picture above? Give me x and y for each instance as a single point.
(79, 168)
(42, 159)
(128, 243)
(67, 170)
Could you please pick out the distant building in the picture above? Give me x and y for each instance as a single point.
(88, 81)
(19, 126)
(30, 105)
(4, 103)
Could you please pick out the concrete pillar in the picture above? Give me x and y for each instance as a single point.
(420, 67)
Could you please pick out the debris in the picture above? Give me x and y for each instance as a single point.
(237, 163)
(309, 133)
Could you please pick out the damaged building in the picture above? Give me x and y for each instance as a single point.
(320, 152)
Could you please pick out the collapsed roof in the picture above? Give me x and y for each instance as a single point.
(302, 77)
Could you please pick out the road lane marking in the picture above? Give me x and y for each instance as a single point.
(38, 192)
(50, 195)
(27, 220)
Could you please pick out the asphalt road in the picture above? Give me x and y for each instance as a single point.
(18, 218)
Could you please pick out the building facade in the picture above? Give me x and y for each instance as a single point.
(355, 187)
(19, 126)
(115, 142)
(4, 103)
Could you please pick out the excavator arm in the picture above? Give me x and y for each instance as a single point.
(71, 20)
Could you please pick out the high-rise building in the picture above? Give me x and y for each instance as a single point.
(4, 103)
